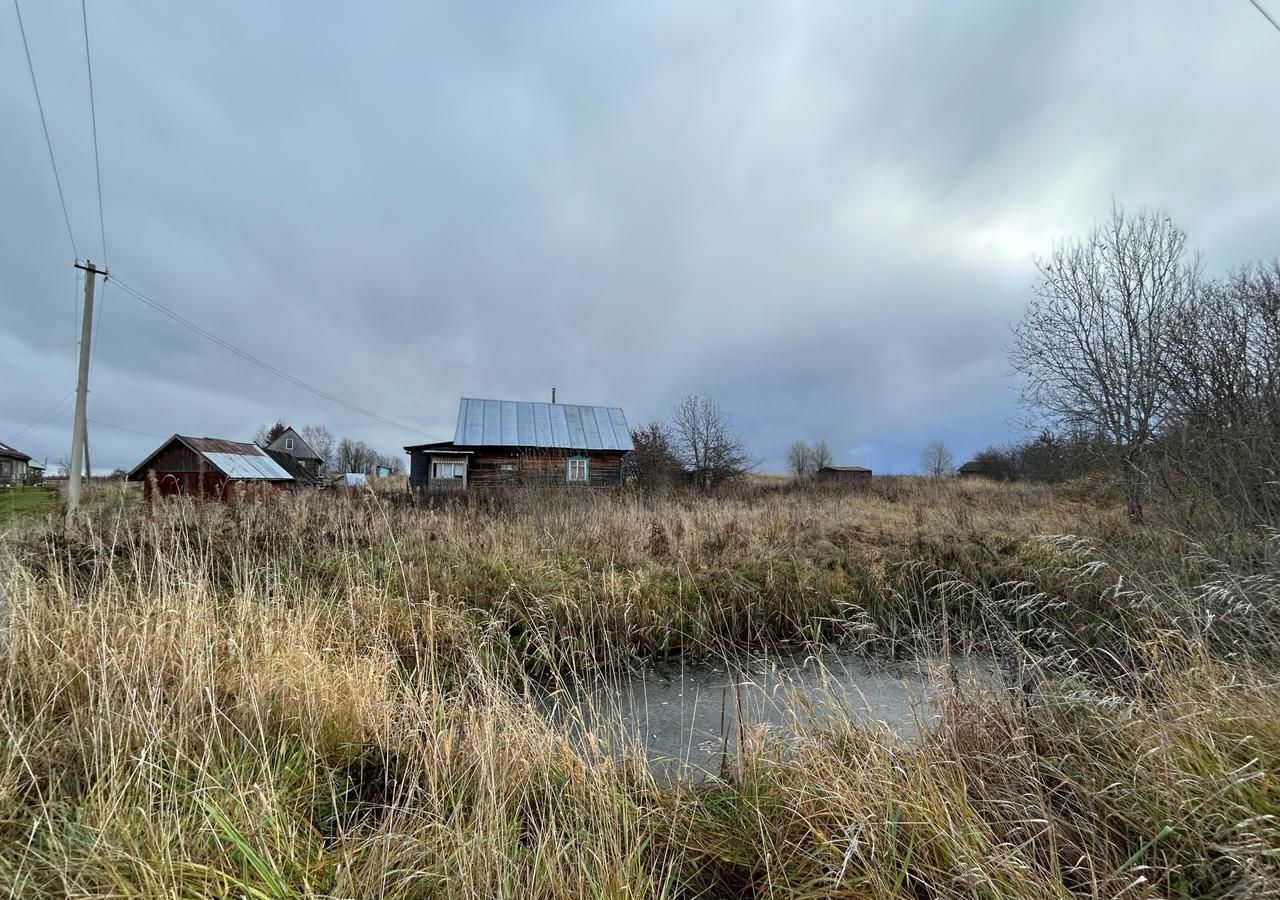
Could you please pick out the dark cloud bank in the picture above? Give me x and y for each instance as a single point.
(822, 215)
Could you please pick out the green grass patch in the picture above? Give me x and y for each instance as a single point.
(23, 501)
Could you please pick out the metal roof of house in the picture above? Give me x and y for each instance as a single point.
(520, 423)
(290, 464)
(12, 452)
(249, 466)
(844, 469)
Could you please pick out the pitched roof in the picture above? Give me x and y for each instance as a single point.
(12, 452)
(235, 459)
(296, 451)
(291, 465)
(844, 469)
(521, 423)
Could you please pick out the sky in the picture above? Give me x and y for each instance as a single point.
(825, 216)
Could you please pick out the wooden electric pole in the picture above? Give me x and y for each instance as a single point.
(78, 435)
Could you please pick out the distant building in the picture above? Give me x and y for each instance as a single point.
(210, 467)
(292, 443)
(975, 468)
(507, 442)
(14, 465)
(844, 474)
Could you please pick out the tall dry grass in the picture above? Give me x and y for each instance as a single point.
(327, 697)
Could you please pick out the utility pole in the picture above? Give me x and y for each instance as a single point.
(78, 436)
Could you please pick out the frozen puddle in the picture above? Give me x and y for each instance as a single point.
(692, 717)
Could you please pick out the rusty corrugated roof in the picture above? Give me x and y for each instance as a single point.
(218, 445)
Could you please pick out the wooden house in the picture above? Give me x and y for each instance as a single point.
(844, 474)
(13, 465)
(292, 443)
(507, 442)
(210, 467)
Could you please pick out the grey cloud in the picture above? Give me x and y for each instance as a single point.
(824, 215)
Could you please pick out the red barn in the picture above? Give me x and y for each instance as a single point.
(210, 467)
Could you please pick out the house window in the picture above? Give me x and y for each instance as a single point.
(576, 469)
(508, 467)
(288, 443)
(447, 470)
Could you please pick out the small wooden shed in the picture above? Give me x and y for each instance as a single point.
(844, 474)
(976, 468)
(210, 467)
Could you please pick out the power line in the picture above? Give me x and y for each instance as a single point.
(57, 410)
(45, 125)
(126, 430)
(97, 328)
(97, 168)
(93, 118)
(1266, 15)
(249, 357)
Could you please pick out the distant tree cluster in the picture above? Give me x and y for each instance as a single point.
(804, 460)
(1047, 457)
(357, 456)
(1175, 376)
(698, 446)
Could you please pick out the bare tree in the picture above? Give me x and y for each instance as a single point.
(799, 459)
(820, 455)
(1220, 447)
(356, 456)
(319, 439)
(806, 459)
(936, 460)
(705, 444)
(1094, 345)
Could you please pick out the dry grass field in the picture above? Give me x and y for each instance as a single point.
(328, 696)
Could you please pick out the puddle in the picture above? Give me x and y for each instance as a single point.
(688, 719)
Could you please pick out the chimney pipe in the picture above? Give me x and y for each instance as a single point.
(553, 395)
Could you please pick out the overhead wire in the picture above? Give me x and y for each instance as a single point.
(1266, 15)
(126, 430)
(164, 310)
(93, 118)
(44, 124)
(97, 169)
(45, 420)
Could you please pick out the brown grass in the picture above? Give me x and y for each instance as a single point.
(325, 697)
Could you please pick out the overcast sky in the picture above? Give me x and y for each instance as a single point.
(823, 216)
